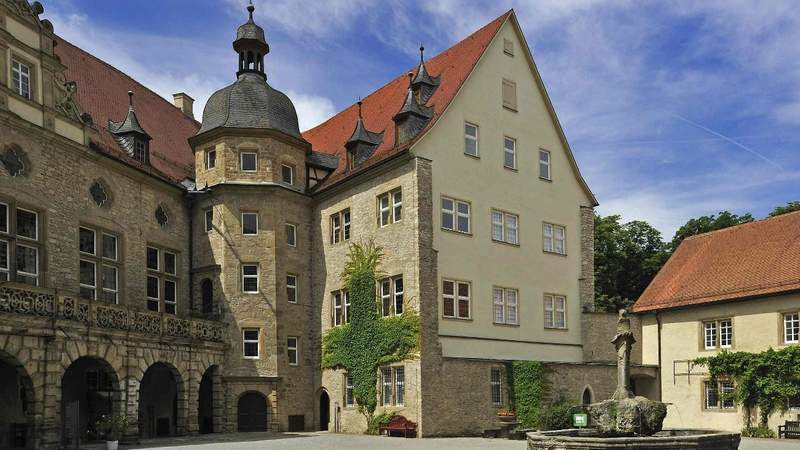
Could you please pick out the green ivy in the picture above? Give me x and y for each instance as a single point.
(378, 421)
(765, 380)
(368, 342)
(527, 390)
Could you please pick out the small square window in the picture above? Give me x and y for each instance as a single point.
(291, 235)
(456, 215)
(250, 279)
(287, 174)
(249, 224)
(250, 343)
(248, 161)
(211, 159)
(554, 238)
(292, 350)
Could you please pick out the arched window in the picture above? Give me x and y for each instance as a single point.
(207, 294)
(587, 396)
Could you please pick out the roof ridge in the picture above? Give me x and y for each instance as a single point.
(140, 84)
(741, 225)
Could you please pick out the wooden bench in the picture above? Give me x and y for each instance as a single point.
(399, 424)
(789, 430)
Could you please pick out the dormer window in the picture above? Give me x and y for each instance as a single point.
(140, 150)
(130, 135)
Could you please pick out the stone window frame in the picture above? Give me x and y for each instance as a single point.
(794, 320)
(715, 326)
(504, 226)
(392, 295)
(553, 325)
(340, 226)
(291, 237)
(209, 159)
(476, 138)
(349, 399)
(241, 220)
(246, 340)
(456, 214)
(295, 348)
(163, 277)
(100, 261)
(340, 315)
(393, 207)
(392, 385)
(509, 94)
(552, 238)
(9, 236)
(512, 150)
(292, 174)
(504, 305)
(548, 164)
(456, 298)
(18, 58)
(720, 404)
(496, 390)
(292, 287)
(256, 276)
(255, 161)
(208, 217)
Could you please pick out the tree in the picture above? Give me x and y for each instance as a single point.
(704, 224)
(787, 208)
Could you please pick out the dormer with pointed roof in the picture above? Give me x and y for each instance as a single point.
(362, 143)
(423, 83)
(413, 115)
(130, 135)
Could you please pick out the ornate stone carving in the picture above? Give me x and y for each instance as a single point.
(14, 161)
(176, 327)
(110, 317)
(26, 302)
(65, 101)
(99, 194)
(75, 310)
(147, 323)
(161, 216)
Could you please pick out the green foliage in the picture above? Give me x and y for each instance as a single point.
(112, 427)
(378, 421)
(704, 224)
(368, 341)
(787, 208)
(758, 432)
(557, 415)
(526, 384)
(765, 380)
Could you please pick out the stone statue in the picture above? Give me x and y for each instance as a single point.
(623, 342)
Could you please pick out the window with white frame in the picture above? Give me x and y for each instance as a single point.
(509, 153)
(456, 215)
(249, 223)
(505, 306)
(391, 292)
(505, 227)
(554, 238)
(211, 159)
(717, 334)
(209, 219)
(791, 328)
(719, 395)
(470, 139)
(251, 343)
(21, 74)
(390, 207)
(349, 399)
(162, 279)
(340, 226)
(250, 278)
(544, 165)
(393, 386)
(99, 265)
(291, 288)
(287, 174)
(496, 383)
(248, 161)
(555, 311)
(341, 307)
(20, 247)
(456, 298)
(291, 235)
(292, 350)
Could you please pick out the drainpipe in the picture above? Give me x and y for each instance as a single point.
(660, 365)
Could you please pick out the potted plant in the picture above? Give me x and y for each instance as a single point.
(112, 429)
(506, 415)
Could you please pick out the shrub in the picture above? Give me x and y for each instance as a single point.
(758, 432)
(378, 421)
(526, 382)
(557, 415)
(112, 427)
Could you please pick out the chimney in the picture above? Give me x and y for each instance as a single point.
(184, 103)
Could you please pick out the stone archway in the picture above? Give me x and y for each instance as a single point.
(90, 389)
(587, 398)
(16, 397)
(324, 410)
(252, 412)
(161, 396)
(208, 400)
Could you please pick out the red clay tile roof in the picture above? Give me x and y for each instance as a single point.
(103, 93)
(755, 259)
(453, 66)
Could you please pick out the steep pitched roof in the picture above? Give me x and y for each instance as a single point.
(102, 92)
(755, 259)
(452, 66)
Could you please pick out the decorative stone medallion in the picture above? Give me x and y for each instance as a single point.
(14, 161)
(99, 194)
(161, 216)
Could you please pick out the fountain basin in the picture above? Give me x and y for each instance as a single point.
(588, 438)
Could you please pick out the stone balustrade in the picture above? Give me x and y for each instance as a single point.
(32, 301)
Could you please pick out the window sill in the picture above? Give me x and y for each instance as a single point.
(549, 252)
(556, 329)
(511, 325)
(472, 156)
(505, 243)
(549, 180)
(510, 169)
(251, 357)
(459, 319)
(721, 410)
(460, 233)
(508, 108)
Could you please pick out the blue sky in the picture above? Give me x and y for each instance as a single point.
(673, 109)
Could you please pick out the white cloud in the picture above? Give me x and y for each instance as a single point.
(311, 110)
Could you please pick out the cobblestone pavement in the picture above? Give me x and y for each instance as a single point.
(331, 441)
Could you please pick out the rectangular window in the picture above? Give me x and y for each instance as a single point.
(509, 153)
(391, 294)
(341, 308)
(496, 382)
(86, 241)
(287, 174)
(470, 139)
(250, 279)
(508, 47)
(719, 395)
(554, 238)
(346, 296)
(710, 334)
(390, 207)
(250, 343)
(340, 226)
(349, 400)
(727, 399)
(109, 246)
(791, 328)
(509, 95)
(386, 382)
(98, 264)
(393, 386)
(555, 315)
(544, 165)
(170, 263)
(292, 351)
(794, 403)
(505, 227)
(170, 296)
(248, 161)
(291, 235)
(21, 74)
(152, 259)
(20, 250)
(88, 279)
(209, 219)
(456, 215)
(4, 218)
(725, 333)
(505, 306)
(456, 299)
(4, 261)
(27, 224)
(399, 386)
(249, 224)
(718, 334)
(291, 288)
(153, 293)
(711, 395)
(211, 159)
(162, 280)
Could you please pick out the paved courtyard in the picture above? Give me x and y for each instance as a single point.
(325, 441)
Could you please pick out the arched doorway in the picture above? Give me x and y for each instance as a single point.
(324, 410)
(587, 397)
(205, 401)
(89, 391)
(207, 295)
(252, 412)
(16, 395)
(158, 401)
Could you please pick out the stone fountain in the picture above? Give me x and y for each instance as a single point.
(628, 421)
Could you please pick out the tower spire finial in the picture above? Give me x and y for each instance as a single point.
(421, 53)
(359, 107)
(130, 99)
(250, 9)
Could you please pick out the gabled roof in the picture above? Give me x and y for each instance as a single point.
(103, 93)
(755, 259)
(452, 66)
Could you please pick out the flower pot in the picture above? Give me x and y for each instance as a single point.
(112, 445)
(507, 418)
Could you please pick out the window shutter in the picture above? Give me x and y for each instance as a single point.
(510, 95)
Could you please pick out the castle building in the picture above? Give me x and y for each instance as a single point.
(183, 273)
